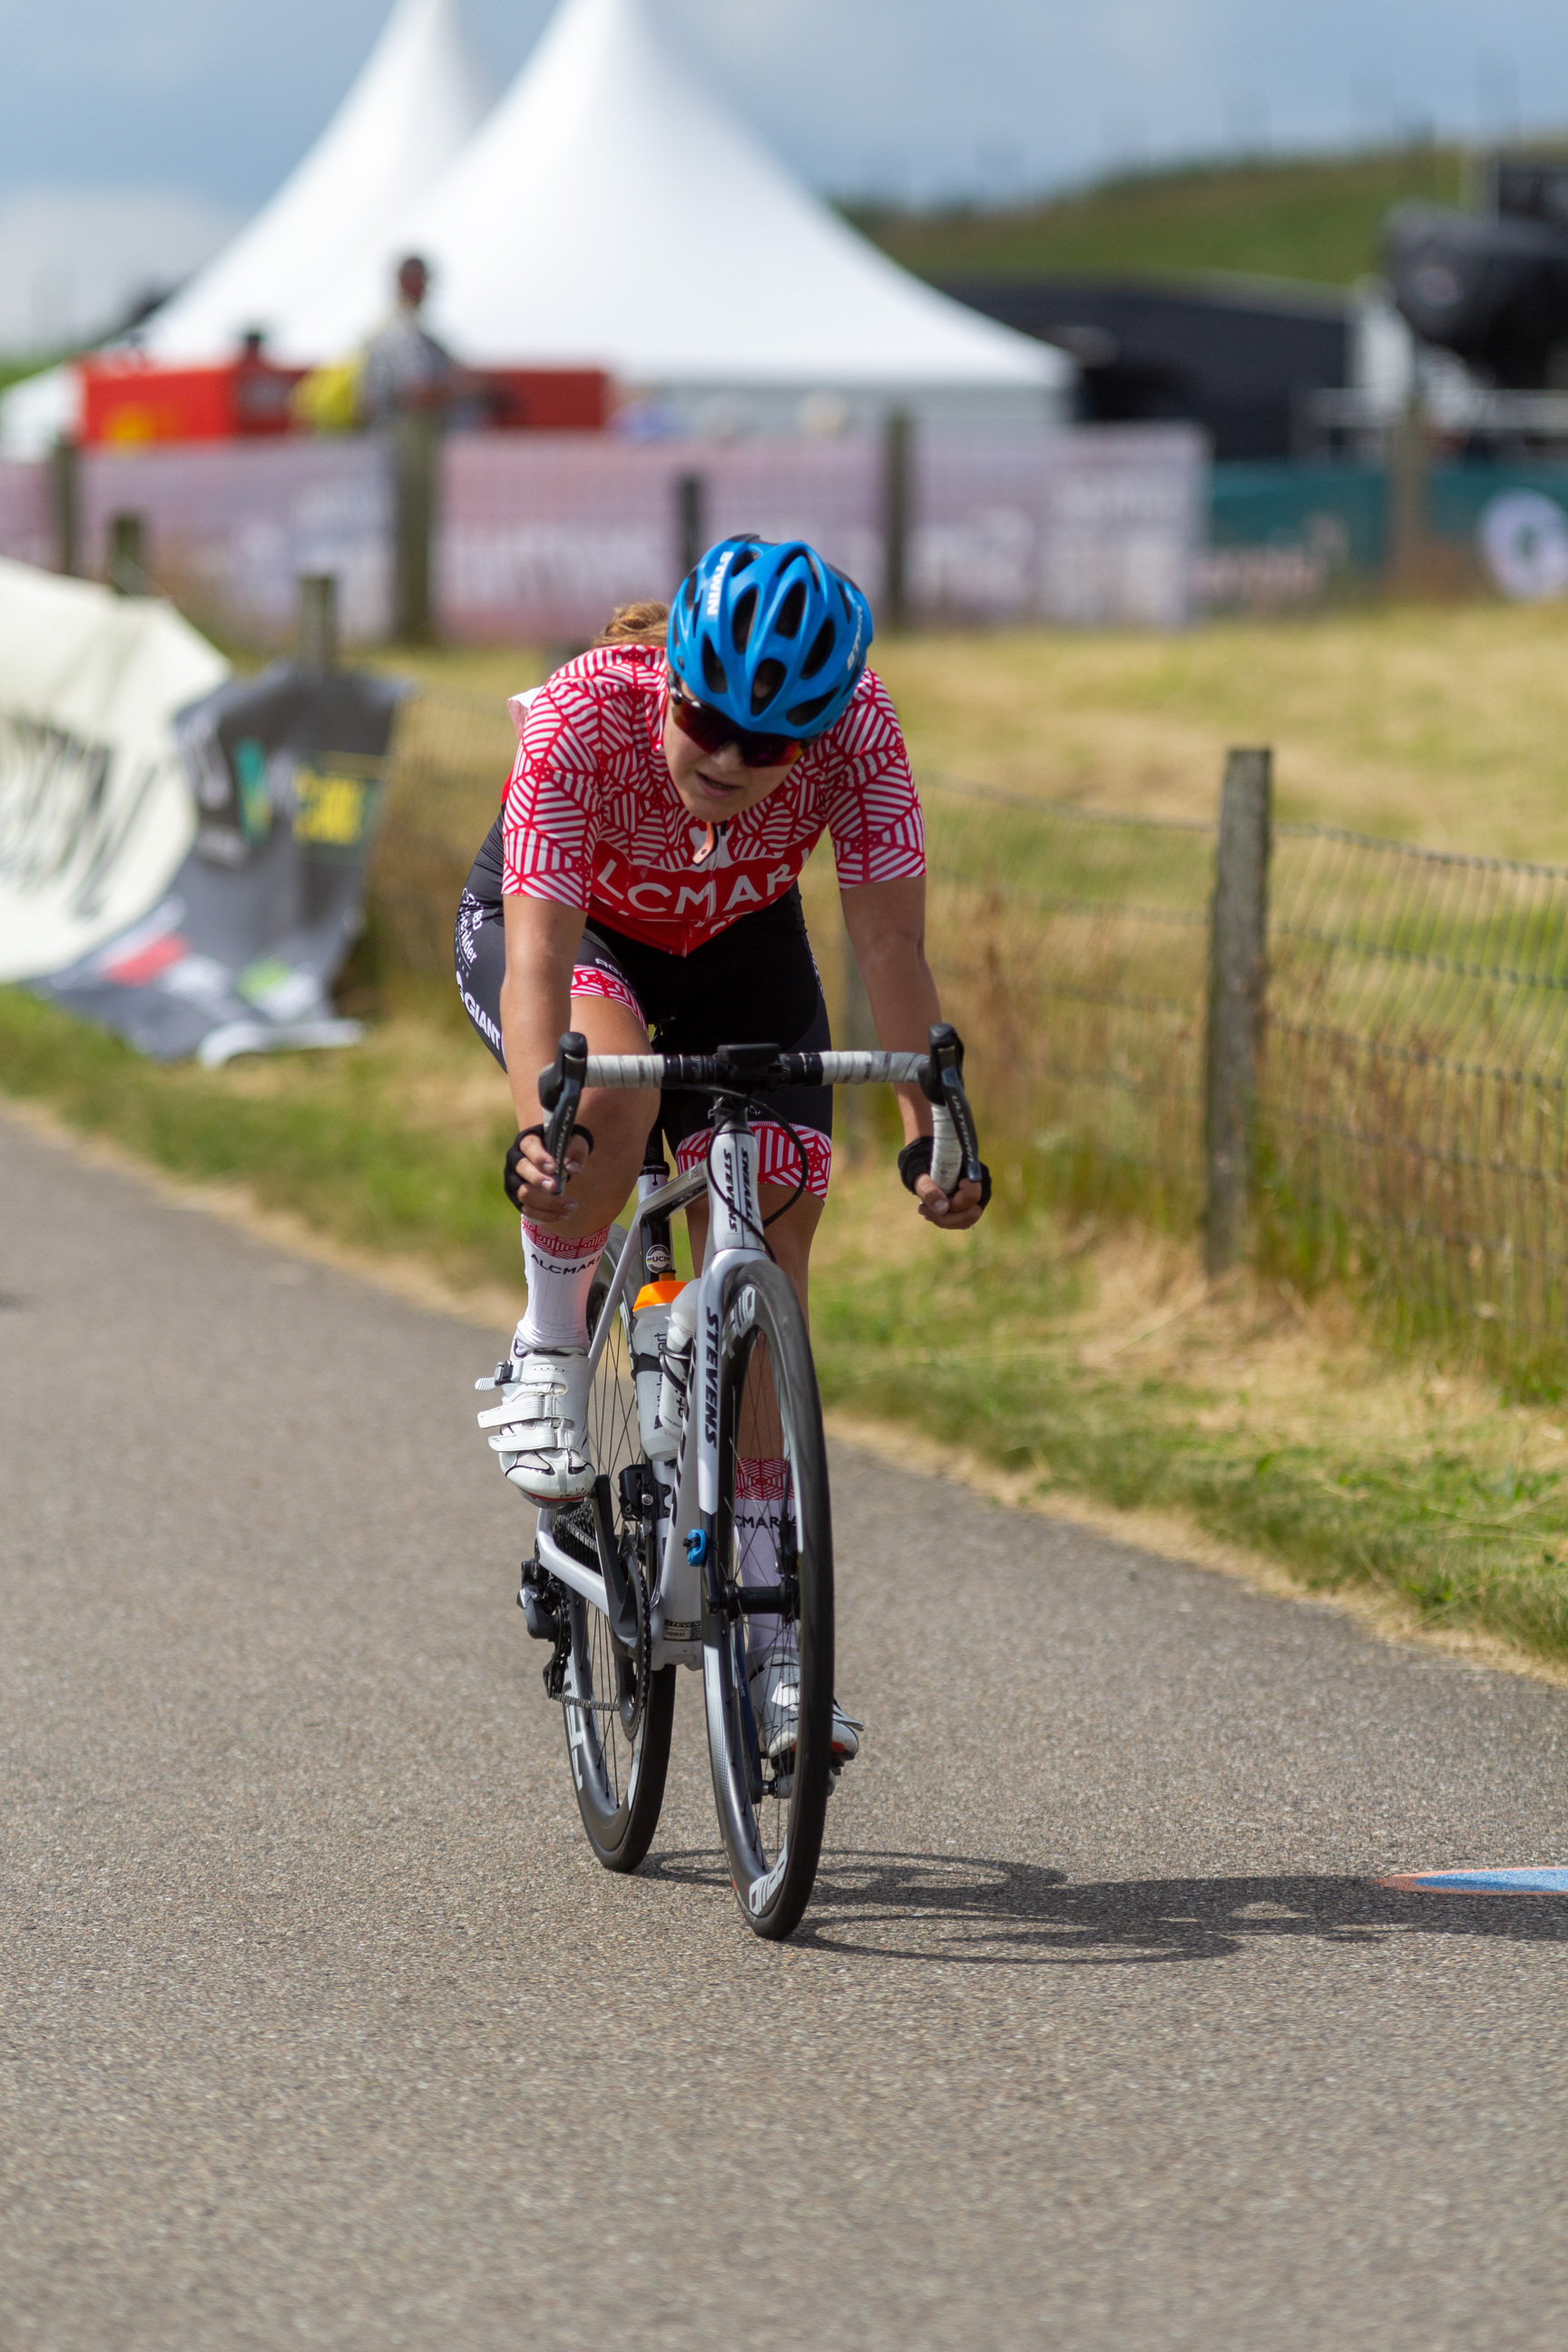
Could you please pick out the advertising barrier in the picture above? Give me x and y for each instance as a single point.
(96, 815)
(181, 851)
(239, 954)
(537, 535)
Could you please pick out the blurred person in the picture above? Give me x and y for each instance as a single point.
(642, 879)
(404, 370)
(261, 391)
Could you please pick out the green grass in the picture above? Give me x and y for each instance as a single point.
(335, 1139)
(16, 370)
(1312, 217)
(981, 1356)
(393, 1148)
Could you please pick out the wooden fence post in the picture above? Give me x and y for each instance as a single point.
(415, 441)
(66, 478)
(689, 520)
(897, 516)
(1408, 464)
(126, 566)
(1237, 953)
(318, 646)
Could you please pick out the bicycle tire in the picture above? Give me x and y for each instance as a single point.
(619, 1778)
(773, 1836)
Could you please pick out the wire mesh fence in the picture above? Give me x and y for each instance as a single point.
(1411, 1103)
(1415, 1081)
(1070, 949)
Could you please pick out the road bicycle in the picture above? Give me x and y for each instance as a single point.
(690, 1381)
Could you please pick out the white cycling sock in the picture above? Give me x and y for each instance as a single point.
(560, 1274)
(761, 1487)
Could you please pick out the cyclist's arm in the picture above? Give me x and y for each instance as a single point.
(535, 1008)
(886, 922)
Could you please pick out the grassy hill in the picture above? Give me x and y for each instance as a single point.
(1314, 217)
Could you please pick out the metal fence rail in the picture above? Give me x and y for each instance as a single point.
(1411, 1098)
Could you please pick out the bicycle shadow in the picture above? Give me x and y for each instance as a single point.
(958, 1909)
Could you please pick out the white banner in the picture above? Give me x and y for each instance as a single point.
(96, 813)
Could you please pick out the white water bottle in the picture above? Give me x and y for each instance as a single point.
(675, 1369)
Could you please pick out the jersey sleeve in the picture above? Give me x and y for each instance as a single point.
(873, 808)
(552, 813)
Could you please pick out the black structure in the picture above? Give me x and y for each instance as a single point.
(1234, 359)
(1492, 286)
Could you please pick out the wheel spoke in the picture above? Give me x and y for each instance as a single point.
(769, 1413)
(619, 1774)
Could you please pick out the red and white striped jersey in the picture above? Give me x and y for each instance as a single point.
(590, 818)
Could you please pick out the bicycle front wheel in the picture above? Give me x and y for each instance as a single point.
(618, 1711)
(771, 1776)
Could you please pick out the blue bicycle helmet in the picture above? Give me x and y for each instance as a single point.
(770, 635)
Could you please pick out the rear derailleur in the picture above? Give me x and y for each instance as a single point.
(543, 1601)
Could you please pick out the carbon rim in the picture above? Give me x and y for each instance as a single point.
(770, 1811)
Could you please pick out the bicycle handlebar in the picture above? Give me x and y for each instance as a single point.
(757, 1069)
(779, 1070)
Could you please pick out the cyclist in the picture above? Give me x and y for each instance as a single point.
(641, 878)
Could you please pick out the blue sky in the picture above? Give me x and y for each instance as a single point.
(205, 105)
(217, 99)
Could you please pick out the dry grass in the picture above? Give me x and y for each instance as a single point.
(1271, 1367)
(1441, 725)
(1445, 725)
(1093, 1363)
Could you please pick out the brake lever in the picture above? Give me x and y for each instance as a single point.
(560, 1092)
(941, 1083)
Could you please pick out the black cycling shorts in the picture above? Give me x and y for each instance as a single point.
(756, 982)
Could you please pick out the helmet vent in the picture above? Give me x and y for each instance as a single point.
(804, 713)
(688, 593)
(821, 646)
(769, 678)
(714, 677)
(743, 561)
(745, 614)
(790, 611)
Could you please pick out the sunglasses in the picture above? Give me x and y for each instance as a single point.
(712, 730)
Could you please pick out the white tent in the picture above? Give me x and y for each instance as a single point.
(611, 213)
(417, 102)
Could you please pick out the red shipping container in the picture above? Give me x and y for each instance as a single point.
(548, 400)
(129, 402)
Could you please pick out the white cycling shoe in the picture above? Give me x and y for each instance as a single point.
(774, 1684)
(538, 1427)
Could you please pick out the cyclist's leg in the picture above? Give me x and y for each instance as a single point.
(538, 1431)
(561, 1253)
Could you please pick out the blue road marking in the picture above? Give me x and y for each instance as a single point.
(1478, 1882)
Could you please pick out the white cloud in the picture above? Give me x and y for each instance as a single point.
(73, 259)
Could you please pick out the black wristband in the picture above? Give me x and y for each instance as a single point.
(511, 1180)
(914, 1161)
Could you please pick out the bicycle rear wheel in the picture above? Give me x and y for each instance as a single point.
(618, 1711)
(771, 1809)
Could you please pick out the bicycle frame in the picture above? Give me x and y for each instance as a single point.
(687, 1508)
(687, 1504)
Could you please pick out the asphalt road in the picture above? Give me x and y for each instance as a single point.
(320, 2026)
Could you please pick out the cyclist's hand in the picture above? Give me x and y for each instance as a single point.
(965, 1208)
(531, 1185)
